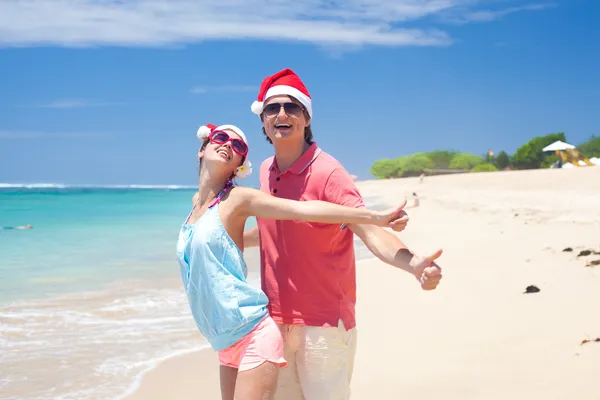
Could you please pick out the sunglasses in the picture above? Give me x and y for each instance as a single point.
(291, 109)
(238, 145)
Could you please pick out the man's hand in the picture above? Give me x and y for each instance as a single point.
(394, 218)
(427, 271)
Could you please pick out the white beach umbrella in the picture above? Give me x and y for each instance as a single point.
(558, 145)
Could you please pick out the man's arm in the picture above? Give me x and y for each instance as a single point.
(391, 250)
(340, 189)
(385, 245)
(251, 237)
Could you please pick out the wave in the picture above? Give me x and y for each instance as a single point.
(107, 340)
(31, 186)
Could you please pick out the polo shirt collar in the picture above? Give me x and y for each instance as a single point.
(301, 163)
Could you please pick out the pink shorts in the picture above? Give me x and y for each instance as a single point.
(263, 343)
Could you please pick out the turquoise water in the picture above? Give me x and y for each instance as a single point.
(83, 238)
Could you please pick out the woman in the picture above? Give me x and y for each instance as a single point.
(231, 314)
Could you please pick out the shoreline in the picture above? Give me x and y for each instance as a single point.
(134, 389)
(168, 380)
(108, 339)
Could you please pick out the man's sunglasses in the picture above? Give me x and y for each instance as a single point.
(221, 137)
(291, 109)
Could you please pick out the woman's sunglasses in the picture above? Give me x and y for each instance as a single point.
(238, 145)
(291, 109)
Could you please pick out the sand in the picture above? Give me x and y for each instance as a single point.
(478, 336)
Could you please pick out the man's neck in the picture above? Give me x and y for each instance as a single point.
(287, 154)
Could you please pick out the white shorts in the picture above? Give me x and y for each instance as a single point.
(320, 362)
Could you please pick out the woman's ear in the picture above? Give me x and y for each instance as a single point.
(200, 154)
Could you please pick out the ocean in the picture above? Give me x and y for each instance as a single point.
(90, 297)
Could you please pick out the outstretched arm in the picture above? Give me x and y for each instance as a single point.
(391, 250)
(262, 205)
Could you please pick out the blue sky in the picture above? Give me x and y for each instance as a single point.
(112, 92)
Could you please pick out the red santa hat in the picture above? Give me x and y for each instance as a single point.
(283, 82)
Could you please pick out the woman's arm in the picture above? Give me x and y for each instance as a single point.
(262, 205)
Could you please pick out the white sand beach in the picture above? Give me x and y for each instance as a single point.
(478, 336)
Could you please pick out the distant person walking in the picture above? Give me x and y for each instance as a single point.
(415, 200)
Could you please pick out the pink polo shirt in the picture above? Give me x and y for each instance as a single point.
(308, 269)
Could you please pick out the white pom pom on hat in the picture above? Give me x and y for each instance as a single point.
(257, 107)
(283, 82)
(204, 131)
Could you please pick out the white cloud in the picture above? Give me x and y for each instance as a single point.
(49, 135)
(223, 89)
(169, 22)
(492, 15)
(76, 103)
(174, 22)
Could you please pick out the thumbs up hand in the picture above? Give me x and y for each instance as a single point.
(395, 218)
(427, 271)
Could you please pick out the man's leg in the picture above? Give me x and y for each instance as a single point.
(325, 362)
(288, 386)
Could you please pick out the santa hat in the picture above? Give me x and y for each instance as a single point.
(283, 82)
(207, 129)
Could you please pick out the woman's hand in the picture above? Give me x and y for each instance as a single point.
(394, 218)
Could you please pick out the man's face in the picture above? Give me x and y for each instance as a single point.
(284, 118)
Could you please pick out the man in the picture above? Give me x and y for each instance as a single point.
(308, 270)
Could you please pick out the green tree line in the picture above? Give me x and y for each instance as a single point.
(527, 156)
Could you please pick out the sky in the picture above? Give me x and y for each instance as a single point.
(112, 92)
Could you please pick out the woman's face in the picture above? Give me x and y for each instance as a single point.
(223, 154)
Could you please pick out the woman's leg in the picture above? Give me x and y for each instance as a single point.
(258, 383)
(228, 378)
